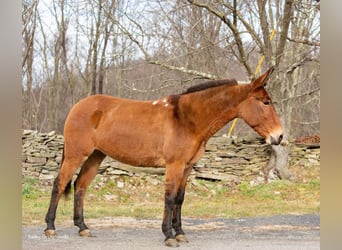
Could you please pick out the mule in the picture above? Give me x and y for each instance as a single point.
(170, 132)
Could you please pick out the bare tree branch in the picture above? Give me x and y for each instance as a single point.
(156, 62)
(310, 92)
(267, 49)
(307, 123)
(307, 42)
(284, 30)
(242, 54)
(184, 70)
(248, 27)
(291, 68)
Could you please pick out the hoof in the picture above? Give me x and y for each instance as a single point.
(50, 233)
(85, 233)
(181, 238)
(171, 243)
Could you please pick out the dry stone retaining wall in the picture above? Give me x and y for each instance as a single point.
(225, 159)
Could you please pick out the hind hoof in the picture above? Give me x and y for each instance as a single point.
(171, 243)
(50, 233)
(182, 238)
(85, 233)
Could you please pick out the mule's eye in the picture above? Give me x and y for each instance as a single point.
(267, 102)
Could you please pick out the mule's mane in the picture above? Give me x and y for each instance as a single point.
(210, 84)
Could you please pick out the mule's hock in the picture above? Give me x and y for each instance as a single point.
(225, 159)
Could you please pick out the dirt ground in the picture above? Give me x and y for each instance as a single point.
(275, 232)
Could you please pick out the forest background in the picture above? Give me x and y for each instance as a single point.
(148, 49)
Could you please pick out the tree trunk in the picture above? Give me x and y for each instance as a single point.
(278, 162)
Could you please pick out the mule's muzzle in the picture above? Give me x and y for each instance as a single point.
(276, 141)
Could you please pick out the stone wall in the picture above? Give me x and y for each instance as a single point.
(225, 159)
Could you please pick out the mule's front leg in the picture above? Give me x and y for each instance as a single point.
(170, 239)
(173, 179)
(177, 210)
(177, 216)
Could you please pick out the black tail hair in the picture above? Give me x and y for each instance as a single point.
(67, 190)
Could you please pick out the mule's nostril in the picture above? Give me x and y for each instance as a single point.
(275, 140)
(280, 138)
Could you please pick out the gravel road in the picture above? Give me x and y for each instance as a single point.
(275, 232)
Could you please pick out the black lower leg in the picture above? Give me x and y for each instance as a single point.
(78, 209)
(168, 209)
(51, 214)
(177, 217)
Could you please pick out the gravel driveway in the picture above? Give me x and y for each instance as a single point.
(276, 232)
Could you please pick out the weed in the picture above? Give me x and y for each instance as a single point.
(29, 188)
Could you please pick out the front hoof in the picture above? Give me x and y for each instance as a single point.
(85, 233)
(50, 233)
(182, 238)
(171, 243)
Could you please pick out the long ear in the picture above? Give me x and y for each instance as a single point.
(262, 80)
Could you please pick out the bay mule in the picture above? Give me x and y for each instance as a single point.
(170, 132)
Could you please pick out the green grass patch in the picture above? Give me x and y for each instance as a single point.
(278, 197)
(29, 189)
(203, 199)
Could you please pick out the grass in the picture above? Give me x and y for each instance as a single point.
(203, 199)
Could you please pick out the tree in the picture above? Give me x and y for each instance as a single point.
(147, 49)
(29, 19)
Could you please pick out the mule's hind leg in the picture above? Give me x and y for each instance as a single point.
(68, 169)
(86, 175)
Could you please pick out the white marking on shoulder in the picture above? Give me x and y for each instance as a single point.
(164, 100)
(155, 102)
(166, 104)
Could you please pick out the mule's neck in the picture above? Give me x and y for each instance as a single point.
(207, 111)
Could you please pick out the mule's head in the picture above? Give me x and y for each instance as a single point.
(258, 111)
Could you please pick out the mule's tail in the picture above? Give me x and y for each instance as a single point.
(67, 189)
